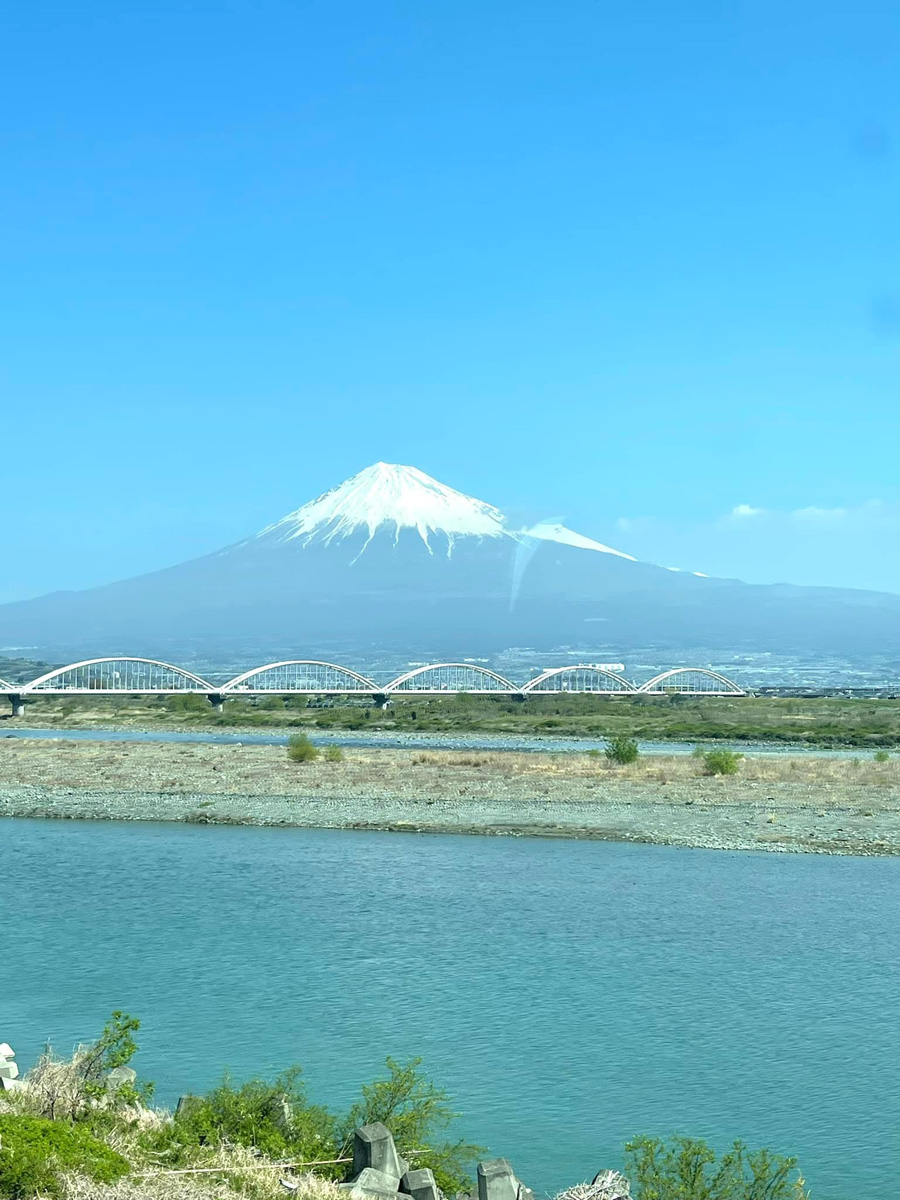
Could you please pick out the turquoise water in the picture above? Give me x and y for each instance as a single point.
(568, 994)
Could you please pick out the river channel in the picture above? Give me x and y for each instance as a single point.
(568, 994)
(408, 741)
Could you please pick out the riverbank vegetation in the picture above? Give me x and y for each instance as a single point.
(82, 1129)
(815, 721)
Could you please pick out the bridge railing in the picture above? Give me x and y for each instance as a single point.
(124, 675)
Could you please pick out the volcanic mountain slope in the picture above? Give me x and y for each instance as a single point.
(393, 557)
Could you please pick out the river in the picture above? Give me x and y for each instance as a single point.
(410, 741)
(567, 994)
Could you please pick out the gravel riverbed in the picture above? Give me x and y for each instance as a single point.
(788, 805)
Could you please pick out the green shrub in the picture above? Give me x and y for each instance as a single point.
(301, 749)
(273, 1117)
(34, 1152)
(188, 703)
(686, 1169)
(334, 754)
(721, 762)
(622, 750)
(73, 1088)
(417, 1113)
(881, 756)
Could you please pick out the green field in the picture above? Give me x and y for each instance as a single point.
(817, 721)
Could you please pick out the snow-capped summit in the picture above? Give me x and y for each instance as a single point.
(369, 564)
(392, 496)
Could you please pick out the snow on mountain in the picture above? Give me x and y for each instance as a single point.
(386, 495)
(555, 532)
(304, 587)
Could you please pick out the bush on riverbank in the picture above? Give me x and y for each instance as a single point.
(301, 749)
(809, 721)
(105, 1145)
(621, 750)
(688, 1169)
(36, 1152)
(720, 762)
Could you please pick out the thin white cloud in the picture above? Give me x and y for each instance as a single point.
(742, 512)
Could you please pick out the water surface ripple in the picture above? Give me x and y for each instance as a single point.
(568, 994)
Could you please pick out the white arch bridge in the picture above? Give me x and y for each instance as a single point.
(125, 676)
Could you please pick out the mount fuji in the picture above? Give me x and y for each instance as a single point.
(393, 558)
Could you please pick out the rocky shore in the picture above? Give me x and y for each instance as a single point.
(790, 805)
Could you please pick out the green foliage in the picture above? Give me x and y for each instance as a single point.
(188, 703)
(334, 754)
(622, 750)
(301, 749)
(274, 1117)
(881, 756)
(720, 762)
(115, 1047)
(417, 1113)
(687, 1169)
(34, 1152)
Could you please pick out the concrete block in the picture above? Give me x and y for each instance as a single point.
(6, 1050)
(282, 1113)
(8, 1069)
(10, 1085)
(420, 1185)
(497, 1180)
(372, 1184)
(525, 1193)
(374, 1147)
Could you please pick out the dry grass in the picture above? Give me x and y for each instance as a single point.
(674, 768)
(265, 770)
(54, 1087)
(242, 1174)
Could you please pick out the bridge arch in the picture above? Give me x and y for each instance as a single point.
(307, 676)
(691, 681)
(4, 686)
(127, 676)
(578, 678)
(438, 678)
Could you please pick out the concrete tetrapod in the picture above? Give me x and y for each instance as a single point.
(373, 1146)
(9, 1069)
(420, 1184)
(377, 1167)
(497, 1181)
(373, 1184)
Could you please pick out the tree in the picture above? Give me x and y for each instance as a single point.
(416, 1112)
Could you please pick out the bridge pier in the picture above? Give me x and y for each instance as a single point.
(217, 701)
(18, 704)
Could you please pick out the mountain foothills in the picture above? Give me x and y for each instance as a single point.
(396, 559)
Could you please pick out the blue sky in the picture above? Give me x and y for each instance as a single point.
(637, 266)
